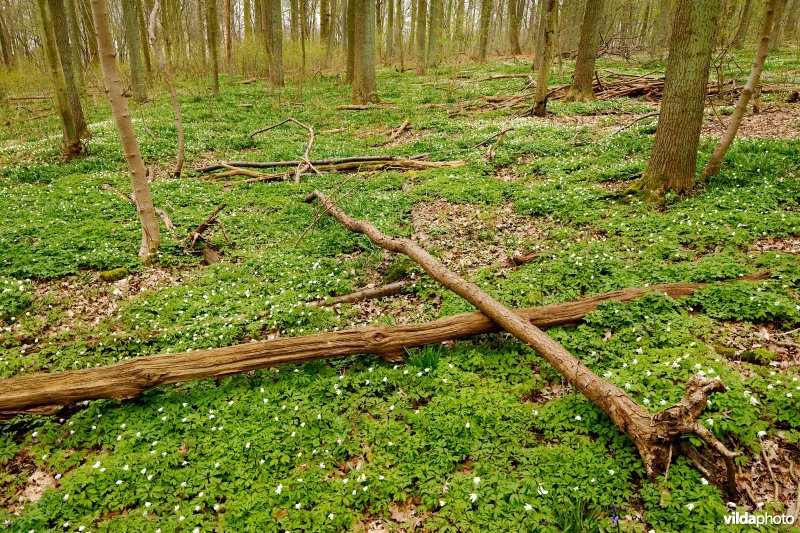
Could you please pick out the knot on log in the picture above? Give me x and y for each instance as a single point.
(681, 418)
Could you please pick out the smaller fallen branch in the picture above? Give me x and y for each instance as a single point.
(521, 259)
(197, 234)
(315, 162)
(633, 122)
(365, 107)
(501, 77)
(390, 289)
(305, 162)
(397, 132)
(334, 130)
(248, 81)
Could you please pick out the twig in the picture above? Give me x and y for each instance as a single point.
(389, 289)
(399, 131)
(329, 161)
(305, 163)
(500, 134)
(631, 123)
(365, 107)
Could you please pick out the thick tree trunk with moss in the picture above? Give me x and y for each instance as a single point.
(72, 143)
(673, 161)
(422, 26)
(134, 47)
(122, 119)
(549, 22)
(211, 36)
(59, 19)
(483, 29)
(715, 162)
(582, 89)
(364, 84)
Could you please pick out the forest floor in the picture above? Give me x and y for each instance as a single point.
(477, 435)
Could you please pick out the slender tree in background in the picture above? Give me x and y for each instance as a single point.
(276, 44)
(549, 23)
(72, 143)
(61, 30)
(167, 72)
(351, 32)
(389, 54)
(434, 23)
(75, 39)
(775, 35)
(134, 47)
(228, 41)
(211, 35)
(331, 37)
(744, 25)
(515, 11)
(248, 21)
(582, 89)
(364, 84)
(483, 29)
(421, 28)
(715, 162)
(792, 21)
(148, 68)
(398, 35)
(122, 118)
(673, 161)
(6, 42)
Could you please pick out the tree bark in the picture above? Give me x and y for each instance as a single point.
(549, 22)
(176, 106)
(653, 435)
(324, 20)
(127, 379)
(744, 25)
(142, 26)
(351, 33)
(364, 83)
(6, 42)
(75, 38)
(228, 41)
(60, 27)
(582, 89)
(775, 37)
(211, 36)
(72, 143)
(122, 118)
(390, 34)
(331, 37)
(792, 20)
(673, 160)
(134, 47)
(434, 23)
(276, 72)
(248, 21)
(715, 162)
(422, 27)
(483, 29)
(515, 8)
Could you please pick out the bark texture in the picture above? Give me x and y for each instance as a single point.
(211, 34)
(582, 89)
(422, 25)
(122, 119)
(550, 17)
(673, 160)
(483, 29)
(364, 82)
(134, 47)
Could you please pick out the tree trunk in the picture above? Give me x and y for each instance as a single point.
(211, 37)
(228, 40)
(134, 47)
(652, 435)
(364, 83)
(59, 20)
(792, 21)
(715, 162)
(775, 38)
(351, 33)
(75, 38)
(400, 24)
(324, 20)
(331, 38)
(72, 143)
(294, 8)
(673, 160)
(549, 25)
(148, 68)
(302, 32)
(483, 29)
(390, 33)
(434, 23)
(515, 8)
(122, 118)
(248, 21)
(744, 25)
(128, 379)
(422, 30)
(662, 22)
(8, 57)
(582, 84)
(176, 106)
(276, 22)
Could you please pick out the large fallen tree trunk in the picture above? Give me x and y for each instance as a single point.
(44, 393)
(654, 435)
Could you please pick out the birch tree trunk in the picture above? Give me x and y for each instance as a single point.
(122, 119)
(582, 84)
(715, 163)
(673, 161)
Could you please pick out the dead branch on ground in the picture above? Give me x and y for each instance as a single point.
(369, 293)
(305, 163)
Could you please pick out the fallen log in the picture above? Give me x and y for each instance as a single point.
(305, 164)
(389, 289)
(315, 162)
(365, 107)
(45, 393)
(653, 435)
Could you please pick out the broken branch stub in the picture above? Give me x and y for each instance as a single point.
(653, 435)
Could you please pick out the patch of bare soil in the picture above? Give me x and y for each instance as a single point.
(762, 345)
(773, 476)
(467, 238)
(403, 517)
(779, 121)
(24, 483)
(788, 245)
